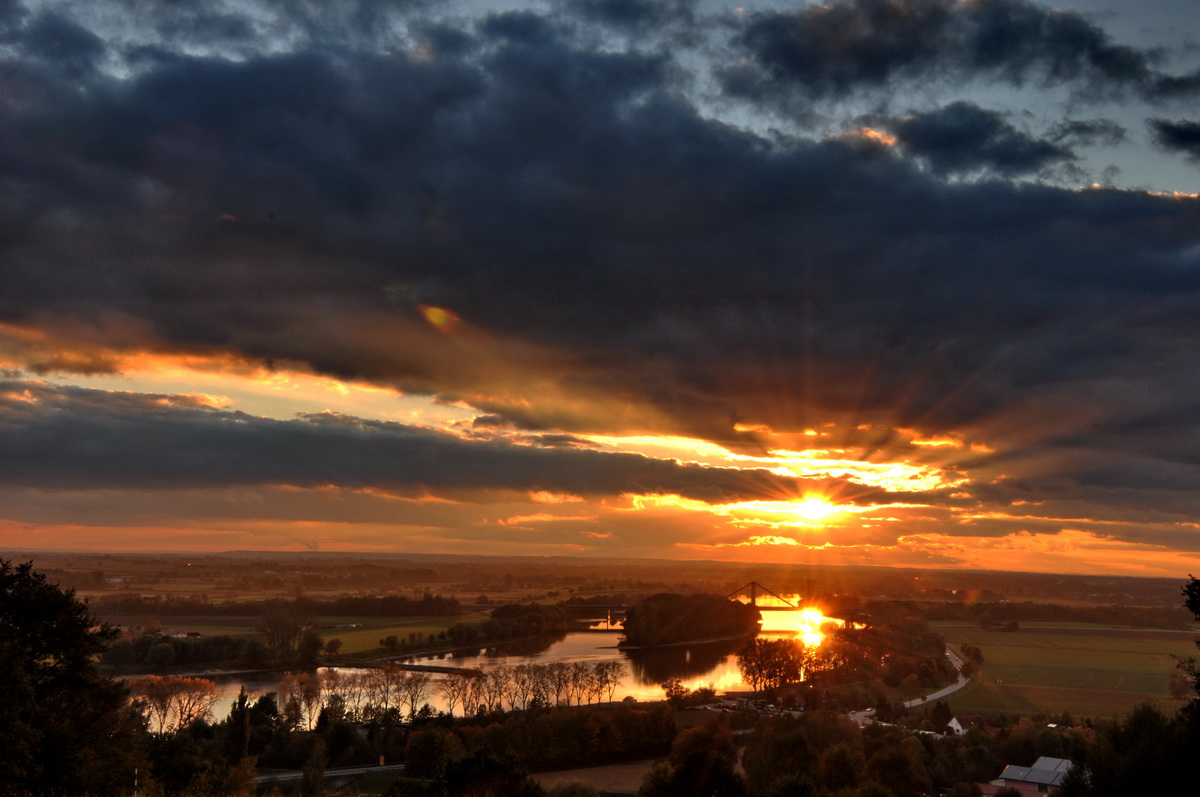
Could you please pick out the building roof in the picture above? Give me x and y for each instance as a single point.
(1045, 771)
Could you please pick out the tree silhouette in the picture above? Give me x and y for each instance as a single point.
(64, 729)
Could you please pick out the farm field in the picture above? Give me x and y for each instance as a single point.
(354, 640)
(1087, 670)
(358, 640)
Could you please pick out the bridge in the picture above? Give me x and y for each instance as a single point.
(754, 590)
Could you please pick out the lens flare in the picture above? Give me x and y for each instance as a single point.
(439, 318)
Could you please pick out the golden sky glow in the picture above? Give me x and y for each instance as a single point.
(834, 524)
(733, 294)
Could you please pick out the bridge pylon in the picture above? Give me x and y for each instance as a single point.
(755, 588)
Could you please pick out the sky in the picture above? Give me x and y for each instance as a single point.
(884, 282)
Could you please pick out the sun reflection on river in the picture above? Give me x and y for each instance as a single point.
(808, 625)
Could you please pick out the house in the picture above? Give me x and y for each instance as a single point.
(1044, 777)
(178, 633)
(964, 722)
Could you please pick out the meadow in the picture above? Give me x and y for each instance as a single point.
(361, 640)
(364, 639)
(1087, 670)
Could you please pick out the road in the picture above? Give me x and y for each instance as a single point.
(330, 774)
(867, 715)
(962, 681)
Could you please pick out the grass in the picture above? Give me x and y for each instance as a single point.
(991, 698)
(1087, 669)
(354, 640)
(209, 625)
(375, 783)
(361, 640)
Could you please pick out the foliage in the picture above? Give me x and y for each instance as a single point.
(486, 774)
(1146, 753)
(63, 728)
(679, 695)
(824, 745)
(771, 663)
(154, 652)
(173, 702)
(667, 618)
(431, 752)
(1191, 595)
(511, 621)
(572, 789)
(702, 763)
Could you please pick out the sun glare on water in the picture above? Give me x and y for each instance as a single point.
(808, 625)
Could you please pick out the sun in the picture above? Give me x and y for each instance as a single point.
(814, 507)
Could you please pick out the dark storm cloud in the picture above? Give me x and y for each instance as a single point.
(964, 138)
(594, 228)
(831, 49)
(634, 15)
(61, 45)
(246, 26)
(71, 438)
(1074, 132)
(1180, 136)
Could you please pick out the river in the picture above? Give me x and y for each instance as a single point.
(695, 664)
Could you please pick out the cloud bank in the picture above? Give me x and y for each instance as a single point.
(604, 218)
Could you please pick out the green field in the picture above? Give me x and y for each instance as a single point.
(209, 625)
(1085, 669)
(358, 640)
(354, 640)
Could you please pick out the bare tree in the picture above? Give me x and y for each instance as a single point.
(290, 704)
(595, 683)
(414, 688)
(333, 684)
(310, 695)
(581, 676)
(355, 689)
(455, 689)
(495, 687)
(520, 686)
(384, 691)
(475, 695)
(540, 676)
(610, 674)
(558, 678)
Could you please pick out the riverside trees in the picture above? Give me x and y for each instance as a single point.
(172, 702)
(896, 648)
(389, 694)
(667, 618)
(771, 663)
